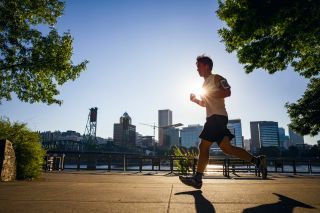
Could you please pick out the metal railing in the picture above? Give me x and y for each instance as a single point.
(131, 162)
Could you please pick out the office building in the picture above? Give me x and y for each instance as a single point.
(124, 133)
(247, 144)
(69, 135)
(295, 138)
(264, 134)
(171, 137)
(232, 131)
(190, 135)
(235, 124)
(164, 119)
(144, 141)
(282, 137)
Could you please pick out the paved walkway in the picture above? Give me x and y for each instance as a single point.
(154, 192)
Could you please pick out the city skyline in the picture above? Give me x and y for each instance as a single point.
(234, 124)
(142, 58)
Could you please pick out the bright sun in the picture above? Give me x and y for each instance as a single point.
(198, 91)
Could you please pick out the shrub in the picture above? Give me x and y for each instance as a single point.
(27, 146)
(184, 165)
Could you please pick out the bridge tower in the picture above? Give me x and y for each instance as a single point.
(91, 127)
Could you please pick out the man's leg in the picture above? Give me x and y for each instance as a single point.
(228, 149)
(196, 181)
(260, 161)
(204, 149)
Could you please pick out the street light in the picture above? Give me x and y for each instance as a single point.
(159, 127)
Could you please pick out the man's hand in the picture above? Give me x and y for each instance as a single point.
(193, 97)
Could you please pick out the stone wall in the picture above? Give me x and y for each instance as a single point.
(7, 161)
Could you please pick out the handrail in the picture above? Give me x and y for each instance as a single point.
(123, 161)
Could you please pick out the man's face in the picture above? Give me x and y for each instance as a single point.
(202, 69)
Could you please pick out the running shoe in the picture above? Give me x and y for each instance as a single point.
(191, 181)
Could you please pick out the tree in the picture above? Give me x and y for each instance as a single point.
(273, 35)
(33, 64)
(305, 114)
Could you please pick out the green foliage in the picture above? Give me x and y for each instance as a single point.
(27, 146)
(305, 114)
(184, 165)
(273, 34)
(33, 64)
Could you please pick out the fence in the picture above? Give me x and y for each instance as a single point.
(130, 162)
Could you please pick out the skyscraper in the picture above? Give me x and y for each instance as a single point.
(232, 131)
(264, 134)
(190, 135)
(236, 125)
(295, 138)
(246, 144)
(164, 119)
(124, 133)
(171, 137)
(282, 137)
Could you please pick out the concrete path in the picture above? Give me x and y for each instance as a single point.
(154, 192)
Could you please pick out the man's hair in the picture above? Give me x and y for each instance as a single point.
(205, 60)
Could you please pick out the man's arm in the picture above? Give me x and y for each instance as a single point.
(224, 88)
(222, 93)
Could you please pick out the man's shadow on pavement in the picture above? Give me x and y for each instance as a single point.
(284, 205)
(202, 204)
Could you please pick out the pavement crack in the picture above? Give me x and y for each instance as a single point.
(170, 198)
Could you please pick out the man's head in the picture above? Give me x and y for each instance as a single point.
(204, 65)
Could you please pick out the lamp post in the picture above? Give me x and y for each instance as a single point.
(159, 127)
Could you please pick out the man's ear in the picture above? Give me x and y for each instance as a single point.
(207, 68)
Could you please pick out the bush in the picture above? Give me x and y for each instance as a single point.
(27, 147)
(184, 165)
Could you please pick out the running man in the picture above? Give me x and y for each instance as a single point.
(215, 129)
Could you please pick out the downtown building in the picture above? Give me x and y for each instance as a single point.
(144, 141)
(264, 134)
(124, 133)
(69, 135)
(190, 135)
(247, 144)
(295, 138)
(284, 141)
(172, 137)
(68, 141)
(164, 119)
(235, 127)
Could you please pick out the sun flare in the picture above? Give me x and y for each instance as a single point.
(198, 91)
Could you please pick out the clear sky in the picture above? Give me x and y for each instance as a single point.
(142, 59)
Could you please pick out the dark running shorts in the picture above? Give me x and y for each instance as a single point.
(215, 129)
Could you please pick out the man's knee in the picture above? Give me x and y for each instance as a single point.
(204, 145)
(226, 147)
